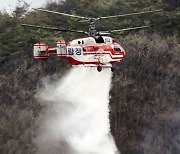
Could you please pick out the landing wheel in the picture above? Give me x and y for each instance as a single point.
(99, 68)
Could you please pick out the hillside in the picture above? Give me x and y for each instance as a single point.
(144, 105)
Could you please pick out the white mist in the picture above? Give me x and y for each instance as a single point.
(76, 120)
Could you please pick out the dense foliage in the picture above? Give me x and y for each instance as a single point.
(144, 105)
(14, 38)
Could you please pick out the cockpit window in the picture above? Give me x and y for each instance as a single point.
(99, 39)
(117, 48)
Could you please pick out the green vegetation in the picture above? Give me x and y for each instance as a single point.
(144, 107)
(14, 38)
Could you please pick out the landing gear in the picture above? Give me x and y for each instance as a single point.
(99, 68)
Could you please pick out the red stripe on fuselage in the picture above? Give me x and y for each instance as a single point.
(95, 53)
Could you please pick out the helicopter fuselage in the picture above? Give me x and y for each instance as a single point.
(102, 51)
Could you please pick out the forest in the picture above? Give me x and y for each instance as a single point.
(145, 94)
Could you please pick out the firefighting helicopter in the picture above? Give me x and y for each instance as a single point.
(97, 50)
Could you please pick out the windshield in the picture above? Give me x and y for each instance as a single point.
(117, 48)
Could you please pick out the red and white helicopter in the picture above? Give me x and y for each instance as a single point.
(97, 50)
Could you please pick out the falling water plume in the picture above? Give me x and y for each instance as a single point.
(76, 119)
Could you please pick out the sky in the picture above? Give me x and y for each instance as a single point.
(9, 5)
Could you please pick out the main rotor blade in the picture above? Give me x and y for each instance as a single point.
(54, 12)
(129, 14)
(127, 29)
(53, 28)
(120, 30)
